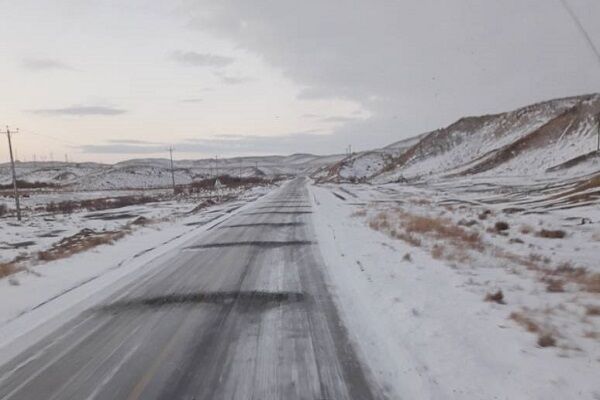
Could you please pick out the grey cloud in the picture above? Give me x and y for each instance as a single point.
(311, 116)
(338, 119)
(192, 100)
(235, 80)
(131, 141)
(427, 62)
(43, 64)
(200, 59)
(310, 141)
(81, 111)
(121, 149)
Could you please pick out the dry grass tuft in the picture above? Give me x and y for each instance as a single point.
(484, 214)
(555, 285)
(81, 241)
(501, 226)
(8, 268)
(497, 297)
(529, 324)
(440, 228)
(546, 340)
(361, 212)
(592, 310)
(550, 234)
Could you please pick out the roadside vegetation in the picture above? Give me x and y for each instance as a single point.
(505, 257)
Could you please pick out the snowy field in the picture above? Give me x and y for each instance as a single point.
(133, 231)
(468, 290)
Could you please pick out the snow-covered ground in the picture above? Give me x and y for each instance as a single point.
(39, 295)
(41, 228)
(412, 266)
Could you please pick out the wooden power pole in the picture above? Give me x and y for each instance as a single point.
(14, 173)
(172, 170)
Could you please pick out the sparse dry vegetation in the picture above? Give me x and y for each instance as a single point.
(69, 206)
(592, 310)
(411, 228)
(496, 297)
(361, 212)
(552, 234)
(546, 340)
(81, 241)
(526, 322)
(8, 268)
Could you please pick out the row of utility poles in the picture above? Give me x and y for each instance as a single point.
(8, 134)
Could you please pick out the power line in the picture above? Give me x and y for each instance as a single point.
(70, 143)
(581, 28)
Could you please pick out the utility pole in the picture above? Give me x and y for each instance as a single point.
(598, 129)
(172, 171)
(217, 167)
(14, 174)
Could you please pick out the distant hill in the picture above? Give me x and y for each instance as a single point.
(155, 172)
(552, 137)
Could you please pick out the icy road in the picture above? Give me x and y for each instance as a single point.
(242, 312)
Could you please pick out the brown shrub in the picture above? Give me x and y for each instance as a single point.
(8, 268)
(497, 297)
(484, 214)
(550, 234)
(546, 340)
(440, 228)
(529, 324)
(592, 310)
(3, 209)
(555, 285)
(501, 226)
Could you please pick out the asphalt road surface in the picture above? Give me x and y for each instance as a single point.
(241, 313)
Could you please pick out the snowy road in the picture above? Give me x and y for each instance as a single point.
(241, 313)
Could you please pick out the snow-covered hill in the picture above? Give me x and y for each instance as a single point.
(551, 137)
(152, 173)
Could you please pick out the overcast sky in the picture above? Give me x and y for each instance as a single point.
(111, 80)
